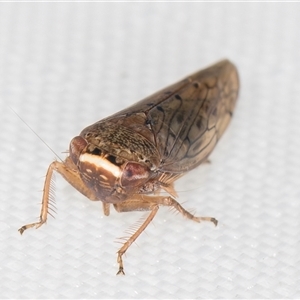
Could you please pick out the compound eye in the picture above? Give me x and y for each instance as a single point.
(77, 144)
(134, 174)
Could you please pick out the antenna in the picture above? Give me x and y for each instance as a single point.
(36, 134)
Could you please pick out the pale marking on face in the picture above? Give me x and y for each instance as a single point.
(104, 177)
(100, 162)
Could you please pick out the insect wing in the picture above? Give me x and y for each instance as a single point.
(188, 125)
(186, 119)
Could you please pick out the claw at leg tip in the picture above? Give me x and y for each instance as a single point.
(121, 272)
(215, 221)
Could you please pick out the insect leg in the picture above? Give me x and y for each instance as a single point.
(144, 202)
(134, 205)
(68, 172)
(106, 208)
(45, 201)
(169, 201)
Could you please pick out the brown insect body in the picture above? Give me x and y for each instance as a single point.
(127, 158)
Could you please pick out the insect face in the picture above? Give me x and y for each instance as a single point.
(108, 176)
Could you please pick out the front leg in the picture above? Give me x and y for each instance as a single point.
(143, 202)
(68, 170)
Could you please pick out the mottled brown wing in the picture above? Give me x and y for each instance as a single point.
(187, 119)
(188, 125)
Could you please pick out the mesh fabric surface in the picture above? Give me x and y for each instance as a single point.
(64, 66)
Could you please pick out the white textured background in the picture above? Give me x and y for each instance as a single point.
(64, 66)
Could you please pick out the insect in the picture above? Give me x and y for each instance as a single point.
(125, 160)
